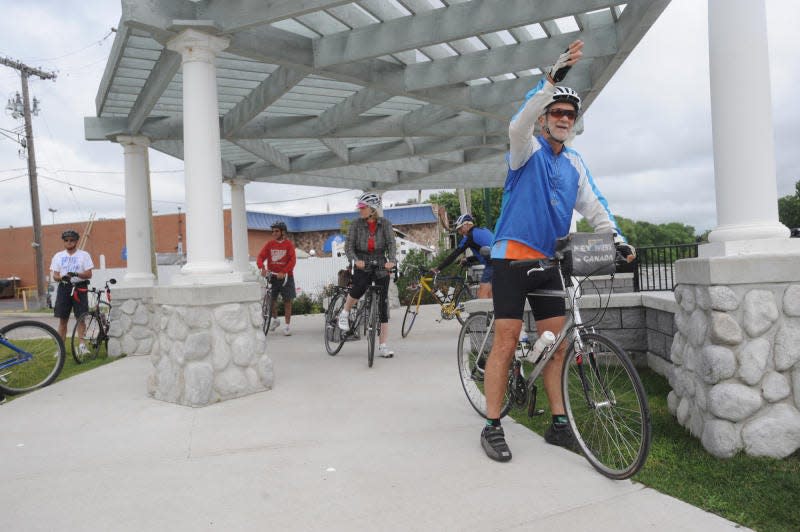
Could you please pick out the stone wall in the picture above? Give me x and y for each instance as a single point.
(205, 342)
(736, 381)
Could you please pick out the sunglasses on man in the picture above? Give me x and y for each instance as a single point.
(559, 113)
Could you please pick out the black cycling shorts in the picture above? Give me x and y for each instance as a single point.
(287, 291)
(361, 280)
(65, 302)
(510, 286)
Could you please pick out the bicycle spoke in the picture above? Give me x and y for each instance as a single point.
(607, 407)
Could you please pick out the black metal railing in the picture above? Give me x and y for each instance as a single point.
(655, 266)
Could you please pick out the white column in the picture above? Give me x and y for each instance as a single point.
(744, 151)
(205, 244)
(137, 211)
(241, 252)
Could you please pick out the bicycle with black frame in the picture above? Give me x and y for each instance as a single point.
(364, 317)
(90, 333)
(604, 397)
(271, 284)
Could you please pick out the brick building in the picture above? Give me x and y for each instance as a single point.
(106, 238)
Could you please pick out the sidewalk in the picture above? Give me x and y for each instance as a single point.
(334, 446)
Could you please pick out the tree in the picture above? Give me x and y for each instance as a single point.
(648, 234)
(449, 200)
(789, 208)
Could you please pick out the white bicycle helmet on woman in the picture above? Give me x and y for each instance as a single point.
(369, 199)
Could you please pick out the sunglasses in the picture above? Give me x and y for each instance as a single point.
(560, 113)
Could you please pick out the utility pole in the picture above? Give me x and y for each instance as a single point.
(26, 71)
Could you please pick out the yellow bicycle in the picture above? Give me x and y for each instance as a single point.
(450, 292)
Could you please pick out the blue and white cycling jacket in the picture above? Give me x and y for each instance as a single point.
(542, 188)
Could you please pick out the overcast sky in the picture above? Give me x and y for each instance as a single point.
(647, 136)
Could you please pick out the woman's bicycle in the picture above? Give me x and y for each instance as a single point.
(90, 333)
(32, 355)
(364, 318)
(603, 394)
(450, 292)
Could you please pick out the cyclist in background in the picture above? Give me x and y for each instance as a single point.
(280, 257)
(546, 181)
(473, 238)
(71, 268)
(370, 238)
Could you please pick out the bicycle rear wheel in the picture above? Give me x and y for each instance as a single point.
(334, 340)
(473, 352)
(607, 406)
(266, 310)
(90, 343)
(372, 327)
(47, 352)
(411, 312)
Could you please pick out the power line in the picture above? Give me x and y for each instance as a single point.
(299, 199)
(58, 170)
(98, 42)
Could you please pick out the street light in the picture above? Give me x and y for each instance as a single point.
(53, 212)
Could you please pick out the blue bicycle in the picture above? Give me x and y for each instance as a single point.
(32, 355)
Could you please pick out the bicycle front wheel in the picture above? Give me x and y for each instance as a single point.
(372, 327)
(474, 345)
(266, 310)
(461, 297)
(607, 406)
(44, 348)
(88, 337)
(411, 312)
(333, 334)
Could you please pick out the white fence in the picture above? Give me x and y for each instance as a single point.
(311, 275)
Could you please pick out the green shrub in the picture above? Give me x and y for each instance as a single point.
(302, 304)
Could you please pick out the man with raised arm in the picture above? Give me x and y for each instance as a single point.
(546, 181)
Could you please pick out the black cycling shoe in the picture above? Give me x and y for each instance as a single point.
(561, 436)
(493, 441)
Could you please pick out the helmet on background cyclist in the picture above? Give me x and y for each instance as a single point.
(568, 95)
(70, 233)
(464, 219)
(279, 225)
(369, 199)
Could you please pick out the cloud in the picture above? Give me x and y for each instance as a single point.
(647, 140)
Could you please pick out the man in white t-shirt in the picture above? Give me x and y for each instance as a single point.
(72, 269)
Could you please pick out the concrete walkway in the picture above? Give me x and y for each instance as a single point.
(334, 446)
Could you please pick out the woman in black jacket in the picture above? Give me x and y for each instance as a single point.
(370, 239)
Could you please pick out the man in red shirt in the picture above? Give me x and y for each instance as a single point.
(280, 259)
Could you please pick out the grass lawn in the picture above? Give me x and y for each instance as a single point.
(759, 493)
(71, 368)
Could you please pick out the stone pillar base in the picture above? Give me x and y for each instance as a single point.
(205, 342)
(210, 344)
(736, 376)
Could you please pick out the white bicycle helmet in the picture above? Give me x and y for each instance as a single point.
(464, 219)
(568, 95)
(369, 199)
